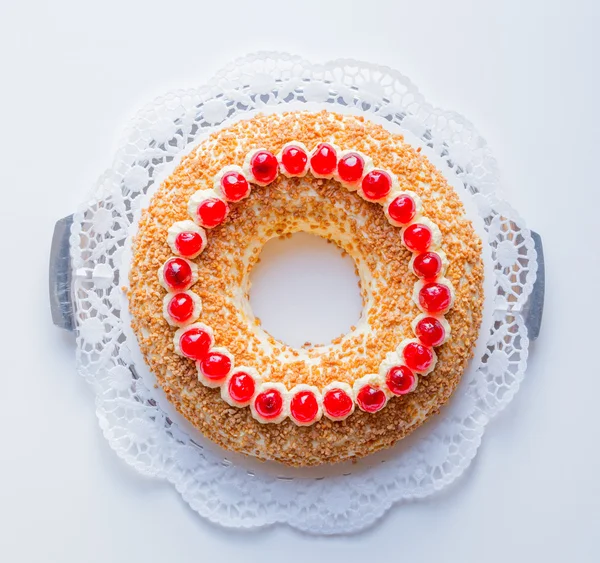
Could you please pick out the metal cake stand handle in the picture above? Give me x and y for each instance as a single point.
(61, 276)
(61, 286)
(534, 307)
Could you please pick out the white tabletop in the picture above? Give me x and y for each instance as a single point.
(526, 73)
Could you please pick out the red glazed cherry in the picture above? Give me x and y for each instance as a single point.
(304, 406)
(402, 209)
(293, 160)
(400, 380)
(430, 331)
(195, 343)
(427, 265)
(435, 297)
(417, 356)
(337, 403)
(215, 365)
(177, 273)
(181, 307)
(417, 237)
(212, 212)
(350, 168)
(234, 186)
(269, 404)
(324, 160)
(370, 399)
(264, 167)
(189, 243)
(376, 185)
(241, 387)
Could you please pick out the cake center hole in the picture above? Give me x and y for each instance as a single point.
(305, 291)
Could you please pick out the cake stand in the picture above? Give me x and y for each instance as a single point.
(88, 267)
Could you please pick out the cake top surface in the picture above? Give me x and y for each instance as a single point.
(360, 229)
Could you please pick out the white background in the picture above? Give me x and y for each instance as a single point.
(525, 72)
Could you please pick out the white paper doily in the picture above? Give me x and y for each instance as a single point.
(140, 427)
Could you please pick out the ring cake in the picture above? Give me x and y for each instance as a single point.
(382, 202)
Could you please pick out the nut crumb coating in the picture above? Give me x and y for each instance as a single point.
(362, 231)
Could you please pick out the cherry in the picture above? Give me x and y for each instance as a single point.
(212, 212)
(400, 380)
(264, 167)
(241, 387)
(376, 185)
(177, 273)
(402, 209)
(215, 365)
(370, 399)
(337, 403)
(269, 404)
(189, 243)
(430, 331)
(293, 160)
(417, 356)
(324, 160)
(427, 265)
(181, 307)
(435, 297)
(350, 168)
(417, 237)
(195, 343)
(234, 186)
(304, 406)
